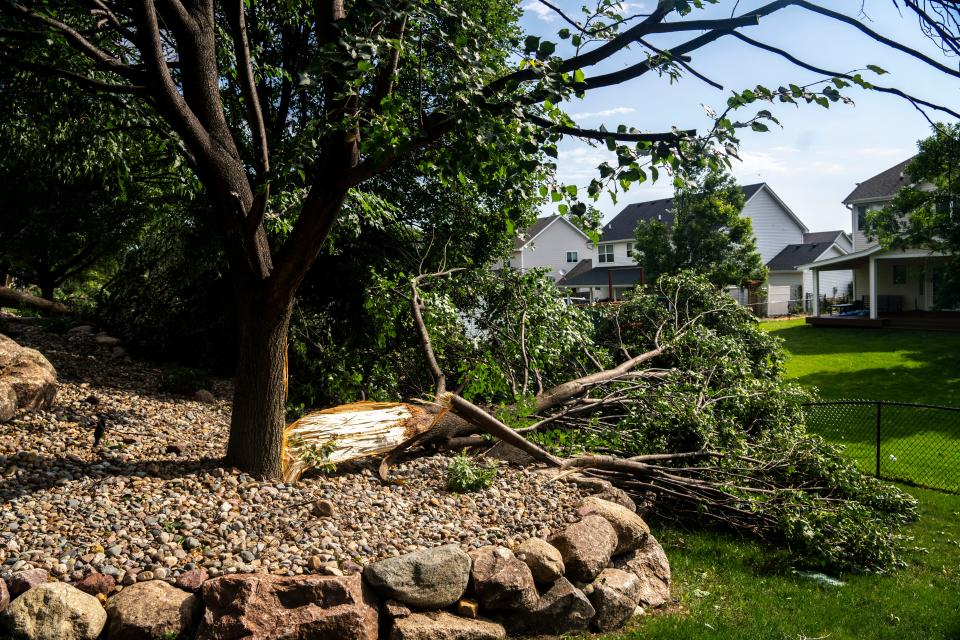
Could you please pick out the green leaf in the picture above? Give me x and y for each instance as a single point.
(877, 70)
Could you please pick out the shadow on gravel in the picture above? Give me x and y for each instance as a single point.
(32, 472)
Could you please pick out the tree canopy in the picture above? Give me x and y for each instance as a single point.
(706, 234)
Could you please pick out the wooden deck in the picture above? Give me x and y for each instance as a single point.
(912, 320)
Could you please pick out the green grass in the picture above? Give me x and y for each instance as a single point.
(918, 445)
(875, 364)
(734, 589)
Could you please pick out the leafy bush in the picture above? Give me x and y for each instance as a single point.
(184, 380)
(465, 476)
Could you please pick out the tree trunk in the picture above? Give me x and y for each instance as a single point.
(19, 299)
(46, 291)
(260, 386)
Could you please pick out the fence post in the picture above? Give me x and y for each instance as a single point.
(879, 404)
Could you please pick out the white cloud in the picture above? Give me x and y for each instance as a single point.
(540, 10)
(603, 114)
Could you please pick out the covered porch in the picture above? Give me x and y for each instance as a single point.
(892, 288)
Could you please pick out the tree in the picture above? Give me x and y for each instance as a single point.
(76, 182)
(926, 212)
(282, 108)
(707, 235)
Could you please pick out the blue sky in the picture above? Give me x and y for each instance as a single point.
(819, 155)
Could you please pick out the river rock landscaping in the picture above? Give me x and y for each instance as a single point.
(146, 515)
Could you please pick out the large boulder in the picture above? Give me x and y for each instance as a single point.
(631, 530)
(95, 582)
(150, 610)
(27, 375)
(544, 560)
(440, 625)
(262, 607)
(586, 547)
(501, 581)
(4, 596)
(54, 611)
(649, 563)
(430, 579)
(614, 595)
(562, 609)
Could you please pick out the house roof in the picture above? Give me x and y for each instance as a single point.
(538, 227)
(881, 186)
(625, 223)
(581, 267)
(601, 277)
(814, 237)
(794, 255)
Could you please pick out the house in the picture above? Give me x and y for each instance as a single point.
(889, 285)
(788, 280)
(552, 242)
(783, 241)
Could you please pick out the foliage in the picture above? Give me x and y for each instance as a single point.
(466, 476)
(707, 234)
(723, 393)
(77, 183)
(184, 380)
(925, 212)
(313, 455)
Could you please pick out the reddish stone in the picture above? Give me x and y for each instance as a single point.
(586, 547)
(192, 580)
(501, 581)
(23, 581)
(95, 583)
(261, 607)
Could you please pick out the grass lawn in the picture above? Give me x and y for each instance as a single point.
(731, 589)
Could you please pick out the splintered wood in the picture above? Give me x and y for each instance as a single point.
(348, 432)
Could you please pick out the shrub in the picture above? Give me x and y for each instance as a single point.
(184, 380)
(465, 476)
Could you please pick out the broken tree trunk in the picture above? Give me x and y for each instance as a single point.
(350, 432)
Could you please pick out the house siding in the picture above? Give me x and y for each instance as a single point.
(549, 250)
(860, 240)
(832, 283)
(773, 227)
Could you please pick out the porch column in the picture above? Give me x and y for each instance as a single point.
(873, 288)
(816, 291)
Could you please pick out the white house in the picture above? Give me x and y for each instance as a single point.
(778, 231)
(552, 242)
(887, 282)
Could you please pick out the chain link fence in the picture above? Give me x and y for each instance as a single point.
(914, 443)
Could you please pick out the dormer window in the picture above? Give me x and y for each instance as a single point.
(571, 256)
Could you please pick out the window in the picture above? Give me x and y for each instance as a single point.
(861, 218)
(629, 249)
(606, 252)
(571, 256)
(899, 274)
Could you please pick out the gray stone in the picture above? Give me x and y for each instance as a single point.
(562, 609)
(55, 611)
(631, 530)
(614, 595)
(586, 547)
(501, 581)
(204, 396)
(544, 560)
(431, 578)
(440, 625)
(4, 596)
(151, 610)
(649, 563)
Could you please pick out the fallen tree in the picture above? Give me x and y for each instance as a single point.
(711, 433)
(23, 300)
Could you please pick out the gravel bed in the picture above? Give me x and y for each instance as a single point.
(152, 499)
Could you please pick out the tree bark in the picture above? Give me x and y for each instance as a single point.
(260, 385)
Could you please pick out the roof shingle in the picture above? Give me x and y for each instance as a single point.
(883, 185)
